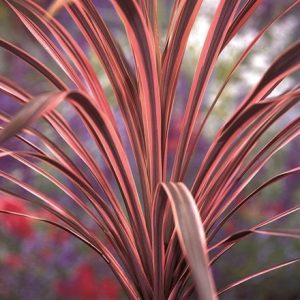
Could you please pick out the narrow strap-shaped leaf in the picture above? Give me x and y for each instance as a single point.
(114, 62)
(105, 46)
(126, 237)
(171, 62)
(223, 170)
(56, 224)
(242, 17)
(68, 168)
(268, 270)
(287, 63)
(123, 84)
(243, 56)
(37, 65)
(214, 153)
(247, 198)
(30, 113)
(152, 14)
(48, 45)
(233, 239)
(143, 47)
(284, 136)
(116, 268)
(211, 49)
(112, 227)
(108, 141)
(191, 236)
(102, 208)
(20, 156)
(259, 160)
(68, 135)
(55, 150)
(238, 150)
(265, 113)
(72, 50)
(237, 236)
(56, 5)
(55, 209)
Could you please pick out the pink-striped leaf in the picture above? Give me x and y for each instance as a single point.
(191, 236)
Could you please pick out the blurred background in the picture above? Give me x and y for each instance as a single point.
(38, 261)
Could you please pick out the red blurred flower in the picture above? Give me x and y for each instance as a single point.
(14, 261)
(85, 286)
(229, 228)
(58, 235)
(18, 226)
(108, 289)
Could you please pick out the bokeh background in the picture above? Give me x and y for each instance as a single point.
(41, 262)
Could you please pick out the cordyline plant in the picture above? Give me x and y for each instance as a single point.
(161, 232)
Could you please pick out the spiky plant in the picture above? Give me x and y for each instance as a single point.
(161, 232)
